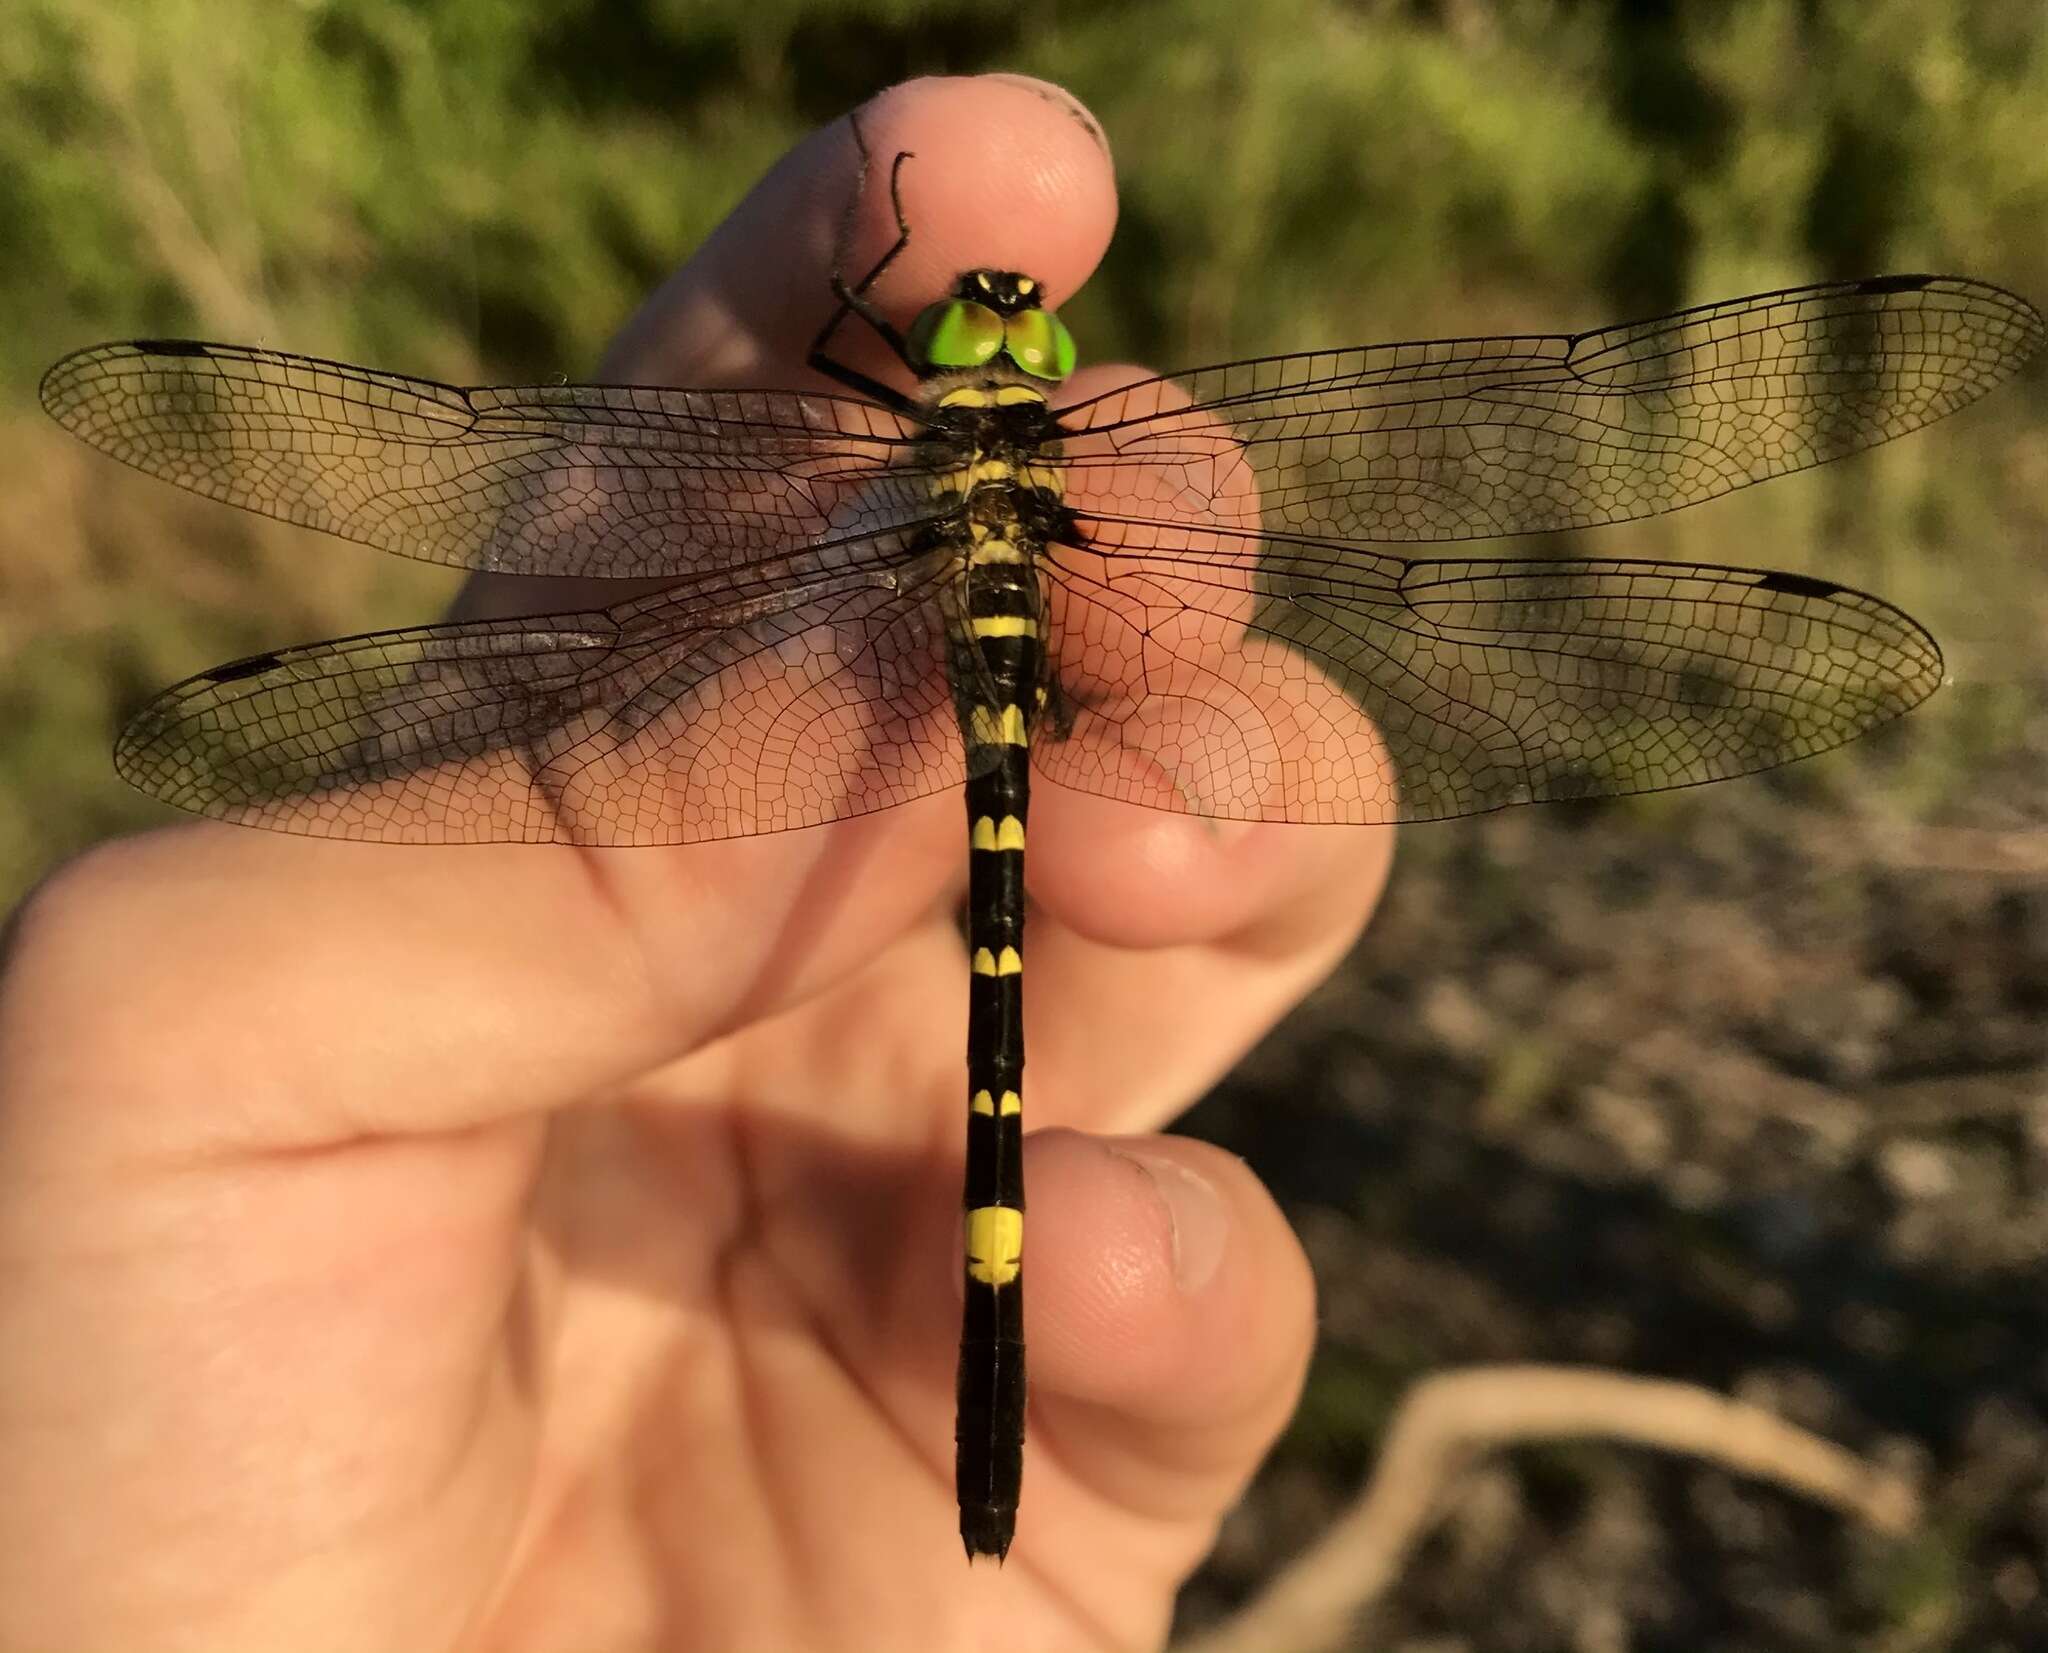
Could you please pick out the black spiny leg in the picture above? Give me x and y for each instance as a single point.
(853, 299)
(1059, 706)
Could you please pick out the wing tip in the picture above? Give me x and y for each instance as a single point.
(54, 390)
(2018, 311)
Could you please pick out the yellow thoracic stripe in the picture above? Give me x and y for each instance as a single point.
(995, 1244)
(1003, 625)
(965, 478)
(984, 1103)
(985, 551)
(986, 728)
(1009, 962)
(1002, 396)
(987, 833)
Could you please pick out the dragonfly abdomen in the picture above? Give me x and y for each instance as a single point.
(997, 657)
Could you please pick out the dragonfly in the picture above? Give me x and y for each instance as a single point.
(1186, 593)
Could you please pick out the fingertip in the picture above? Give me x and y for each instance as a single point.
(1004, 172)
(1167, 1289)
(1007, 173)
(1170, 1317)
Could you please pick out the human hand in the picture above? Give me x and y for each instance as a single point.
(514, 1248)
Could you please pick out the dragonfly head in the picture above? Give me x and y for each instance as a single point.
(991, 313)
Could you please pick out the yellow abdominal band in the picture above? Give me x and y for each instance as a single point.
(988, 833)
(984, 1103)
(1004, 728)
(995, 1244)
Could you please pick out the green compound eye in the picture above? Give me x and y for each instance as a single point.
(1038, 342)
(956, 332)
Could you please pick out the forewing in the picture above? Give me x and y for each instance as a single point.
(662, 720)
(1459, 439)
(1225, 675)
(596, 480)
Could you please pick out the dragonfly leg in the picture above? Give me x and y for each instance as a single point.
(853, 298)
(1059, 706)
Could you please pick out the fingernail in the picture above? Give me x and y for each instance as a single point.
(1194, 1210)
(1060, 98)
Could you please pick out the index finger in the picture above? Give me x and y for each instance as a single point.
(1003, 173)
(697, 940)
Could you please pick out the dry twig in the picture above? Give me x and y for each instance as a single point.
(1447, 1421)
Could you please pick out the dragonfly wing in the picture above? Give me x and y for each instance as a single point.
(1459, 439)
(616, 481)
(1293, 682)
(662, 720)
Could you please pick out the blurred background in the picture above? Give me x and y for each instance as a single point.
(1745, 1086)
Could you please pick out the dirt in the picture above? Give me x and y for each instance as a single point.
(1742, 1087)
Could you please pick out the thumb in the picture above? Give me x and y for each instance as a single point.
(1169, 1318)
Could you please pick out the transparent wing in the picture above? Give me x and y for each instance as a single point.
(1219, 647)
(1227, 675)
(606, 480)
(1466, 438)
(662, 720)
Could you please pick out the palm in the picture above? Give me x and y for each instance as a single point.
(762, 1232)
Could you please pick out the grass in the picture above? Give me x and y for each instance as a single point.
(475, 190)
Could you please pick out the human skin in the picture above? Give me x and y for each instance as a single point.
(528, 1249)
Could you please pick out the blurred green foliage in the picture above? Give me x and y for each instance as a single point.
(481, 189)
